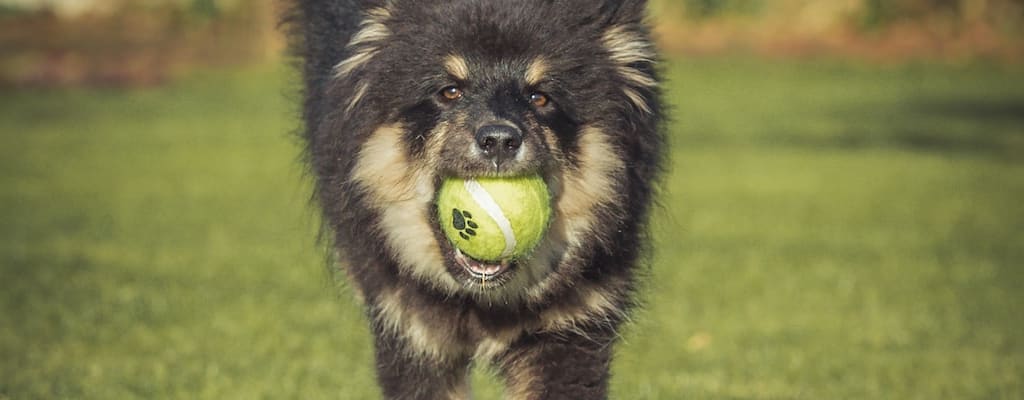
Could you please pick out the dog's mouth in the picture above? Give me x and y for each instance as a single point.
(476, 273)
(482, 271)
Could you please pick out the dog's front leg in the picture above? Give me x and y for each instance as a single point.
(405, 374)
(557, 367)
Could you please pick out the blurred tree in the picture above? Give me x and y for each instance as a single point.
(879, 13)
(877, 29)
(129, 42)
(711, 8)
(205, 8)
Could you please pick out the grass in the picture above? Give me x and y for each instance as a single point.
(828, 231)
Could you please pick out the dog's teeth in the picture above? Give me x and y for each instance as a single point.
(480, 270)
(485, 269)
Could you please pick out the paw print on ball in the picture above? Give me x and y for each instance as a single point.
(462, 221)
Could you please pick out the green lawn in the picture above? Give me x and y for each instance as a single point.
(828, 232)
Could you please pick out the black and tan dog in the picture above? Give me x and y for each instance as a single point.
(402, 93)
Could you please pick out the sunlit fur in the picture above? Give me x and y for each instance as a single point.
(380, 138)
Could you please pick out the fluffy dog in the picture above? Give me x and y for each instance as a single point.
(402, 93)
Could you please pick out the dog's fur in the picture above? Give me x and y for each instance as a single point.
(577, 78)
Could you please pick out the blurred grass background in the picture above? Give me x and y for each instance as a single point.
(839, 221)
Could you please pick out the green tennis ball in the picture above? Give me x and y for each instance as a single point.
(494, 219)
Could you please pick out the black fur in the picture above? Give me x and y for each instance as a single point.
(548, 324)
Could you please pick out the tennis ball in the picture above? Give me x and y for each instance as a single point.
(494, 219)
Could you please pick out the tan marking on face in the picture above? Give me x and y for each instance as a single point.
(365, 43)
(437, 138)
(551, 141)
(457, 67)
(536, 71)
(402, 192)
(591, 184)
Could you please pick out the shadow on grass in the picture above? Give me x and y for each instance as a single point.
(965, 126)
(979, 110)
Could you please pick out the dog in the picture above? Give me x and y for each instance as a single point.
(400, 94)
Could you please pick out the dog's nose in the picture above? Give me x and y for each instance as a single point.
(500, 142)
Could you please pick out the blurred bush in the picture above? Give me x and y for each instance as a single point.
(142, 42)
(128, 42)
(885, 30)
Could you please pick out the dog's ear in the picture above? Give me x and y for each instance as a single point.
(623, 11)
(632, 53)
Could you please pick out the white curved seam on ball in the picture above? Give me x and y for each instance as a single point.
(484, 199)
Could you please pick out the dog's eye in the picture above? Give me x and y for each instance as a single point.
(451, 93)
(539, 100)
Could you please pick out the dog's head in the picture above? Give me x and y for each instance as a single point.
(432, 89)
